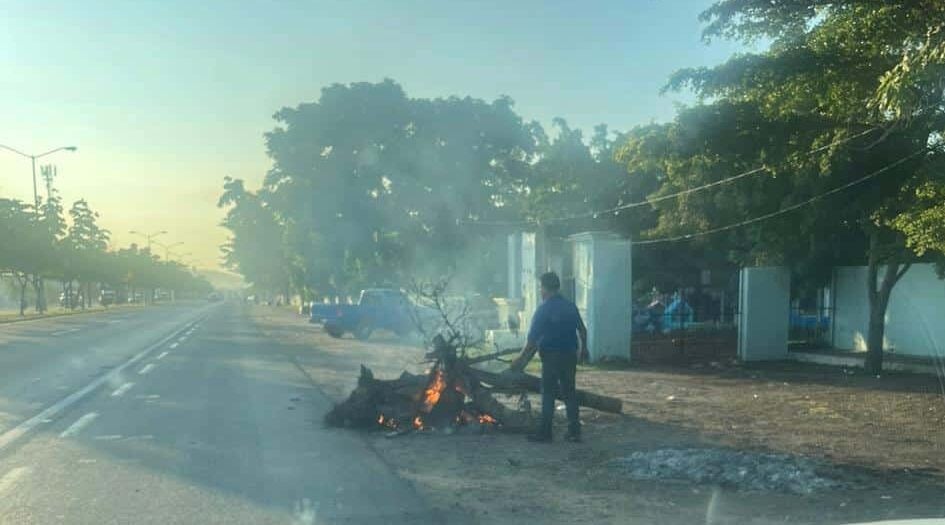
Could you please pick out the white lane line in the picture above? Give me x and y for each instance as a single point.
(120, 391)
(64, 332)
(9, 479)
(147, 368)
(79, 424)
(108, 437)
(173, 345)
(182, 338)
(162, 355)
(148, 397)
(49, 412)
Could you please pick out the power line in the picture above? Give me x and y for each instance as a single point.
(727, 180)
(785, 210)
(650, 201)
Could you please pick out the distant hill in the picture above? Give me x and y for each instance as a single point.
(223, 280)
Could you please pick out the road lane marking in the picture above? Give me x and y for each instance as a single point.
(182, 339)
(48, 413)
(305, 512)
(120, 391)
(108, 437)
(10, 478)
(79, 424)
(173, 345)
(147, 368)
(162, 355)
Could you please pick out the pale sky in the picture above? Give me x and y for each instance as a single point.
(165, 97)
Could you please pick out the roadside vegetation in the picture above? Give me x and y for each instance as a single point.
(47, 242)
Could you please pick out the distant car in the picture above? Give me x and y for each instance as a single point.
(106, 297)
(73, 301)
(214, 297)
(377, 309)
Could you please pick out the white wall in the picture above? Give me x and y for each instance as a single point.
(765, 306)
(602, 280)
(533, 265)
(915, 319)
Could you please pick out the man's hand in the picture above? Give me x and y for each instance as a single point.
(583, 355)
(521, 361)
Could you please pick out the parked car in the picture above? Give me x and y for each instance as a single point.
(377, 309)
(106, 297)
(73, 301)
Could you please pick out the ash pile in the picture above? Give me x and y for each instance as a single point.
(745, 471)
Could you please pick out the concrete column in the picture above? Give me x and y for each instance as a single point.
(764, 306)
(602, 289)
(515, 265)
(533, 265)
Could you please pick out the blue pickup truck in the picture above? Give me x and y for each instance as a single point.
(377, 309)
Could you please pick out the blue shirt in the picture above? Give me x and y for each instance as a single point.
(554, 325)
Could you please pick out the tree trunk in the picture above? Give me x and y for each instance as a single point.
(38, 290)
(24, 281)
(517, 381)
(879, 292)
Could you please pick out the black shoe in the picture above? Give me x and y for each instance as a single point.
(573, 437)
(539, 437)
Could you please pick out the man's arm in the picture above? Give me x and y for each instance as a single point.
(583, 354)
(524, 357)
(531, 342)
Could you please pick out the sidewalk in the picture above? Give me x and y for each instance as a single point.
(13, 316)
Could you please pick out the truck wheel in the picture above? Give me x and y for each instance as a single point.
(334, 332)
(363, 332)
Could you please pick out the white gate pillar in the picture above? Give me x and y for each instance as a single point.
(764, 309)
(602, 292)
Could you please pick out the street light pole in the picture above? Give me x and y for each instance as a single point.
(167, 249)
(37, 280)
(148, 236)
(33, 162)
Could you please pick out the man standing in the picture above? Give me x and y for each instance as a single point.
(558, 334)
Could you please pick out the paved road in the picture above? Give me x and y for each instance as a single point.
(176, 414)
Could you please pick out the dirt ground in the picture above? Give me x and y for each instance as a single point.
(887, 434)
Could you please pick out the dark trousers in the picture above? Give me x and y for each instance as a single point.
(557, 381)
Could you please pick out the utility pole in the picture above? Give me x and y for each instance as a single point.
(149, 236)
(33, 162)
(37, 280)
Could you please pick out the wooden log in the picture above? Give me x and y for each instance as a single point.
(510, 420)
(372, 397)
(490, 357)
(509, 380)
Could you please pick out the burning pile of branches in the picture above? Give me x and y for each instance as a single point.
(453, 392)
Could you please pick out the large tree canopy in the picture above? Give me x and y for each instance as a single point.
(806, 110)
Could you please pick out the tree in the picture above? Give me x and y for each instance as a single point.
(256, 247)
(21, 236)
(806, 110)
(367, 182)
(85, 243)
(49, 262)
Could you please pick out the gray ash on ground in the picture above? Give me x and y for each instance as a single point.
(745, 471)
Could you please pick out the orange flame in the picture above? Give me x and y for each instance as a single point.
(486, 419)
(417, 423)
(431, 396)
(380, 419)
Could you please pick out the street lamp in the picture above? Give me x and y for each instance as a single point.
(179, 258)
(167, 249)
(33, 160)
(148, 236)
